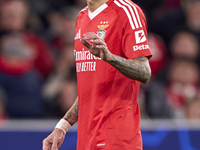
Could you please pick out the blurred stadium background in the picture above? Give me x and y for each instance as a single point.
(38, 78)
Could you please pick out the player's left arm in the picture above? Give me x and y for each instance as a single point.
(136, 69)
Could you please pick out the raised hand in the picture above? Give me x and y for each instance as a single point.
(98, 47)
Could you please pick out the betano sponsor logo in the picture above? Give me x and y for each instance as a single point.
(140, 47)
(140, 36)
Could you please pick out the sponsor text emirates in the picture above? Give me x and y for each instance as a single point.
(85, 61)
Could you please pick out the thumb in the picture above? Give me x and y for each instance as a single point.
(86, 43)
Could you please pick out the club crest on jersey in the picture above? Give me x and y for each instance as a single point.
(102, 32)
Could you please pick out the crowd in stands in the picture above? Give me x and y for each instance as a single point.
(37, 66)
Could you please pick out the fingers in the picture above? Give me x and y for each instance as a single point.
(86, 43)
(46, 145)
(54, 140)
(94, 39)
(90, 35)
(96, 45)
(98, 42)
(101, 46)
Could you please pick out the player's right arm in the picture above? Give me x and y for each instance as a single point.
(72, 115)
(56, 138)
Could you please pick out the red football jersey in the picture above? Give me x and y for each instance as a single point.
(109, 116)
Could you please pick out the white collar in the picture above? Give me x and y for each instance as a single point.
(97, 11)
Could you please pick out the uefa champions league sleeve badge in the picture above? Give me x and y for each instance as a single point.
(102, 32)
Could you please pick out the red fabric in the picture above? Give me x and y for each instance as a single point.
(58, 43)
(178, 95)
(172, 3)
(42, 59)
(175, 99)
(3, 117)
(159, 59)
(109, 116)
(14, 69)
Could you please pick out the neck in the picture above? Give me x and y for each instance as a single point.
(94, 4)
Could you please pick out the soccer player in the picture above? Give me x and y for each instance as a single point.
(111, 52)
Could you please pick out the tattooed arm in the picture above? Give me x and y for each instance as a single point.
(136, 69)
(72, 115)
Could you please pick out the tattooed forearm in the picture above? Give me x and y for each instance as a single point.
(136, 69)
(72, 115)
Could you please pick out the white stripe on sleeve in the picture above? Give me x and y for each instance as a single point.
(131, 10)
(127, 13)
(138, 17)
